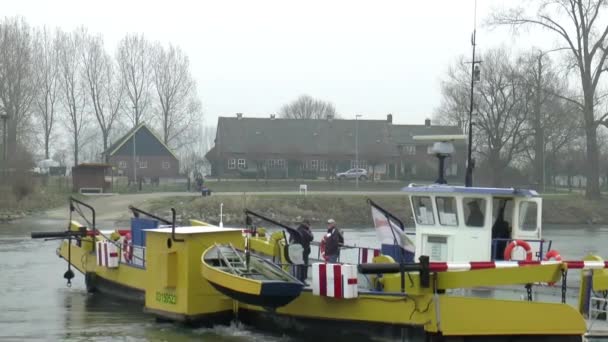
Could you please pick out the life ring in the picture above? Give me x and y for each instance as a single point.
(322, 248)
(552, 254)
(520, 243)
(127, 248)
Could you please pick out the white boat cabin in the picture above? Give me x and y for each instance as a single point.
(456, 223)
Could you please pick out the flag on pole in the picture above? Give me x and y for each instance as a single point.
(389, 231)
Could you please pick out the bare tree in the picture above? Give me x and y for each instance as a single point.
(306, 107)
(577, 24)
(46, 77)
(16, 86)
(179, 107)
(133, 56)
(554, 121)
(72, 84)
(105, 88)
(502, 107)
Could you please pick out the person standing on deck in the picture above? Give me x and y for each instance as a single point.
(305, 239)
(334, 240)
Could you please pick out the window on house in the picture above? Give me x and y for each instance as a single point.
(232, 163)
(314, 164)
(166, 165)
(409, 149)
(322, 165)
(122, 164)
(276, 163)
(143, 164)
(242, 164)
(362, 164)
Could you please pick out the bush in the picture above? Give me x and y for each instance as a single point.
(22, 187)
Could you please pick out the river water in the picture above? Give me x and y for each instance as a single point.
(35, 303)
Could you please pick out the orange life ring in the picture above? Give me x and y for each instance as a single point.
(552, 254)
(322, 247)
(127, 248)
(520, 243)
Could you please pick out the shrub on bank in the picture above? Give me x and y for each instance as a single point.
(347, 210)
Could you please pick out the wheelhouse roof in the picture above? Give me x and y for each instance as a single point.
(440, 188)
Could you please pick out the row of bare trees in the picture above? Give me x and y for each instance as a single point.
(510, 107)
(526, 105)
(53, 82)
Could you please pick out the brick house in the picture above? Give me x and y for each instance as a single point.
(141, 153)
(297, 148)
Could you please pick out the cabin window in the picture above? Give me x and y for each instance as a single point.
(527, 216)
(242, 164)
(474, 211)
(143, 164)
(122, 164)
(423, 210)
(166, 165)
(446, 208)
(231, 163)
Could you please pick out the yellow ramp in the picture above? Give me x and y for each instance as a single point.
(465, 316)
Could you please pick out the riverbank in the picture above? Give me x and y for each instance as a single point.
(33, 203)
(350, 209)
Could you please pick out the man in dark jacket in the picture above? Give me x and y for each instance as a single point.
(333, 241)
(305, 239)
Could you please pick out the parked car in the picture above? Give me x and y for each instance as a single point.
(352, 174)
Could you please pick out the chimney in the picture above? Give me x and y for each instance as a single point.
(389, 118)
(427, 123)
(239, 116)
(272, 116)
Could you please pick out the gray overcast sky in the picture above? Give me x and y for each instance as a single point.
(367, 57)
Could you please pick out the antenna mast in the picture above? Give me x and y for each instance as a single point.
(468, 181)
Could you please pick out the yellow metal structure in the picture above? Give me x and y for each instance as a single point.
(175, 285)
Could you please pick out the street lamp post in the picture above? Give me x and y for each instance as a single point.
(4, 147)
(134, 151)
(539, 134)
(357, 147)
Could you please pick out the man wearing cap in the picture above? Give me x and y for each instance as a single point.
(333, 241)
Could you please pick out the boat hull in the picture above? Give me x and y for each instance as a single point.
(256, 289)
(270, 296)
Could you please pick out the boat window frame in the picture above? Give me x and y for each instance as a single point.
(521, 220)
(415, 208)
(455, 210)
(483, 207)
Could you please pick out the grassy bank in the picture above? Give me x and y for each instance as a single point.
(352, 210)
(251, 185)
(347, 210)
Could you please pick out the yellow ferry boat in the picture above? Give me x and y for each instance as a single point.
(412, 288)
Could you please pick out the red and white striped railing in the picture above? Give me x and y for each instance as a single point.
(481, 265)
